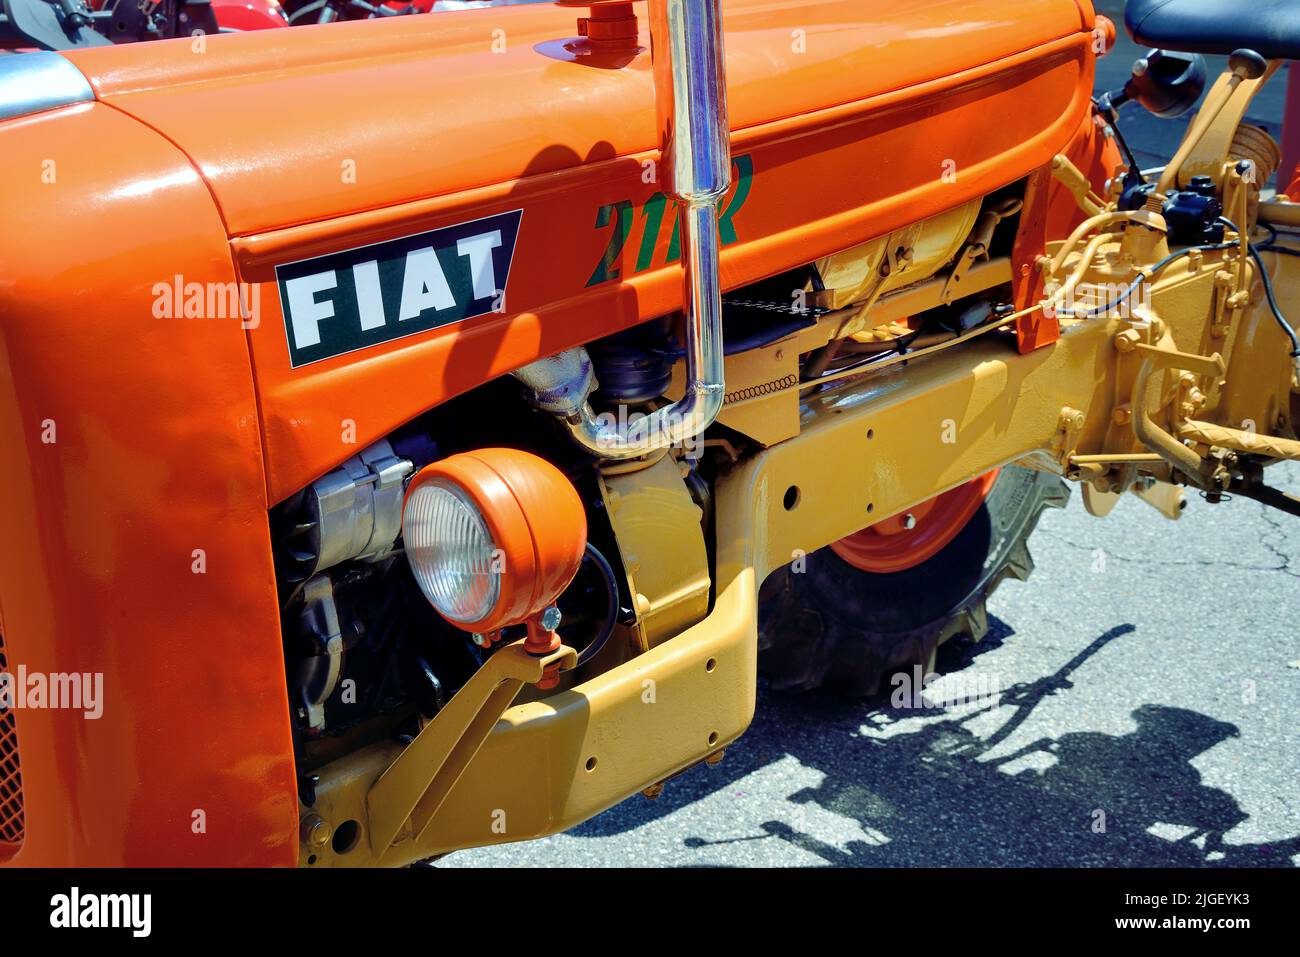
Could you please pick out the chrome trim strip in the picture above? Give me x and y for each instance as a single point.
(39, 81)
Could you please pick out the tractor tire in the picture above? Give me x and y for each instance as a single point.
(834, 625)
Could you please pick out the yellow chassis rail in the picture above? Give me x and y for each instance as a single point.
(866, 450)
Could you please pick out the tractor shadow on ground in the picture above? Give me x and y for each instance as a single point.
(937, 796)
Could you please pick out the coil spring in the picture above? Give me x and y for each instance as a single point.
(1254, 144)
(766, 388)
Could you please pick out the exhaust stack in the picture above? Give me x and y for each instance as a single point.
(695, 169)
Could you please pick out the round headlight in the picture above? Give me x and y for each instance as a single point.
(451, 551)
(493, 536)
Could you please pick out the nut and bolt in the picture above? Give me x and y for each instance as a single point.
(315, 831)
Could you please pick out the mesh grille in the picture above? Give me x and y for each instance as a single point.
(11, 778)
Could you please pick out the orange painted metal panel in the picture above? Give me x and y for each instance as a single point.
(805, 187)
(425, 106)
(847, 112)
(131, 441)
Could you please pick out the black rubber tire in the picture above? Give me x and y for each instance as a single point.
(834, 625)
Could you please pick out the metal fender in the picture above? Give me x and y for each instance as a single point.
(136, 548)
(249, 14)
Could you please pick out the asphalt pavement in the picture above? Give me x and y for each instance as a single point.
(1135, 704)
(1148, 680)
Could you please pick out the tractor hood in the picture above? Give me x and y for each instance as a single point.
(330, 150)
(371, 114)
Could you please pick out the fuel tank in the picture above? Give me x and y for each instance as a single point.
(849, 118)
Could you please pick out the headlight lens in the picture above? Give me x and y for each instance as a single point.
(451, 551)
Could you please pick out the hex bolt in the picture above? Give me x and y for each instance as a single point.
(315, 831)
(1126, 340)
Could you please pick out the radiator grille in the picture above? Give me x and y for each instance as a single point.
(11, 778)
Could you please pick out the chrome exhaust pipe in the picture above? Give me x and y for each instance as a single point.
(695, 170)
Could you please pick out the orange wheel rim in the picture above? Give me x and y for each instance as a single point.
(891, 545)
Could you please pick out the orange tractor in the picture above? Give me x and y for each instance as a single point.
(421, 431)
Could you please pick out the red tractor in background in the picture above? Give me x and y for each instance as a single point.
(69, 24)
(73, 24)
